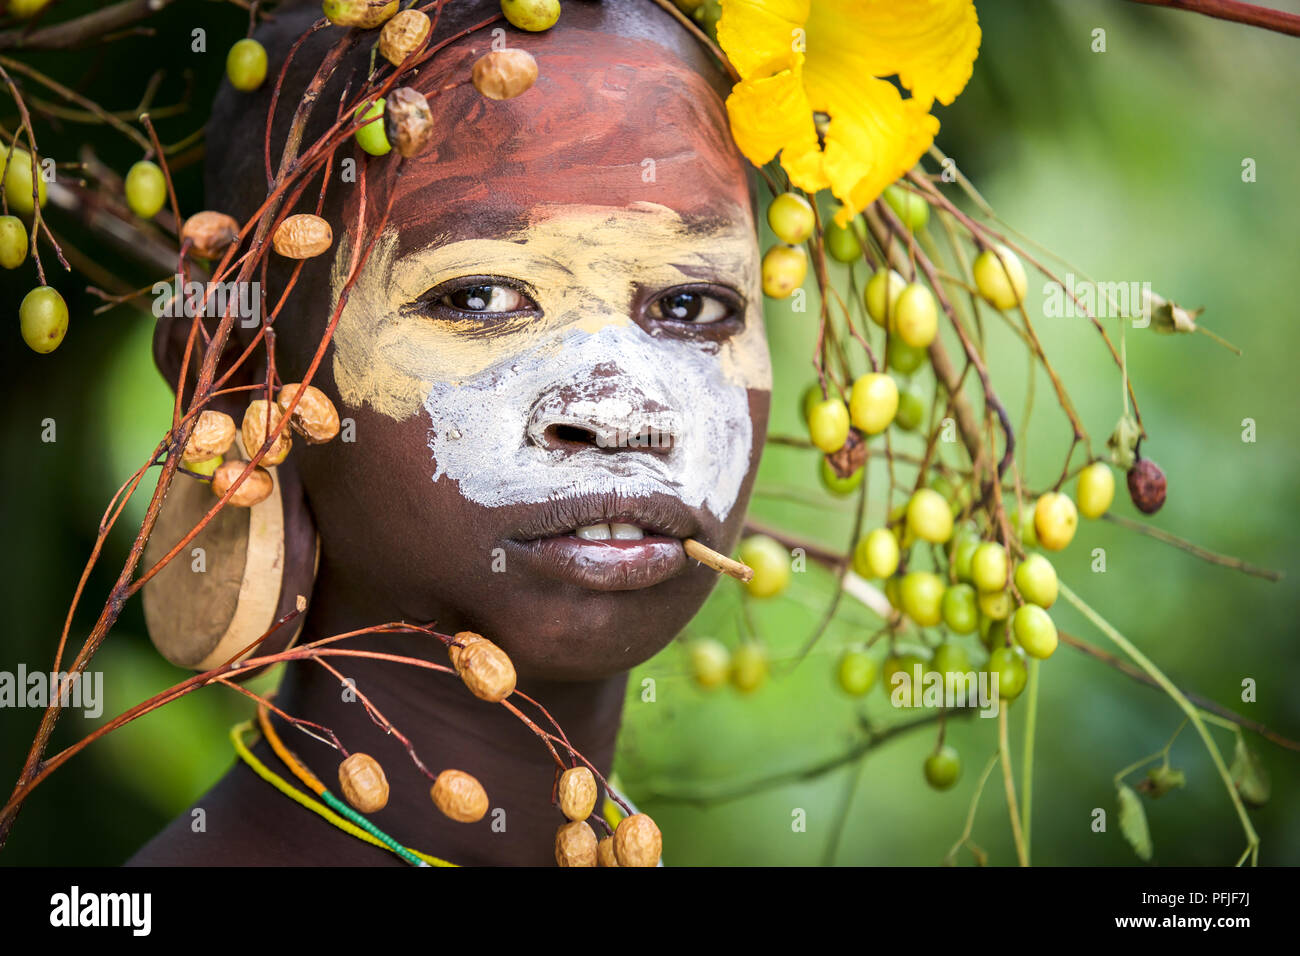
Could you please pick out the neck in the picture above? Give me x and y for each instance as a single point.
(448, 728)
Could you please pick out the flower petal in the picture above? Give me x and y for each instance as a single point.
(772, 114)
(930, 45)
(756, 33)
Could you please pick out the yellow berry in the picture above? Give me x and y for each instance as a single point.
(770, 562)
(922, 596)
(988, 567)
(876, 555)
(1000, 277)
(749, 667)
(1036, 580)
(784, 269)
(873, 402)
(13, 242)
(828, 425)
(1055, 520)
(881, 295)
(531, 15)
(246, 65)
(996, 605)
(791, 218)
(1096, 489)
(18, 182)
(916, 317)
(146, 189)
(1035, 631)
(929, 516)
(43, 318)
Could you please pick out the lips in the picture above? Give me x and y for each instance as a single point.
(607, 542)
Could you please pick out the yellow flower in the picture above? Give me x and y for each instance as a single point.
(797, 57)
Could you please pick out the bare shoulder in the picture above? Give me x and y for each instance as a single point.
(244, 821)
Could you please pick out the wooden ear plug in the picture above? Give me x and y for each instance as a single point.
(718, 562)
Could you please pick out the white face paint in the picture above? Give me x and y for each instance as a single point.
(491, 391)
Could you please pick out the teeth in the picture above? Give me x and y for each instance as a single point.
(626, 532)
(594, 532)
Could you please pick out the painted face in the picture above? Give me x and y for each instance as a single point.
(556, 361)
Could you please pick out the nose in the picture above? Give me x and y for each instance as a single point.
(602, 414)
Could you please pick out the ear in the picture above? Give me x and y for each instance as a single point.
(173, 334)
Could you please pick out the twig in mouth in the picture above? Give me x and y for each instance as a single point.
(718, 562)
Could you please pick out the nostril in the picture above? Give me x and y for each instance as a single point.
(570, 435)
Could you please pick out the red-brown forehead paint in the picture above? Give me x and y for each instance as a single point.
(611, 121)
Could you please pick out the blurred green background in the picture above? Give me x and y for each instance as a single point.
(1126, 164)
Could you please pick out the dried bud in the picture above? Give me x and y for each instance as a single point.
(851, 457)
(403, 35)
(577, 793)
(575, 845)
(638, 842)
(302, 236)
(1147, 486)
(209, 233)
(315, 417)
(486, 671)
(212, 435)
(504, 74)
(366, 14)
(363, 782)
(460, 796)
(605, 852)
(256, 488)
(408, 121)
(466, 638)
(260, 414)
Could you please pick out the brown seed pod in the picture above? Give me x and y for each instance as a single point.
(575, 844)
(637, 841)
(209, 233)
(363, 782)
(1147, 486)
(408, 121)
(486, 671)
(466, 638)
(460, 796)
(315, 418)
(365, 14)
(257, 487)
(605, 852)
(255, 431)
(302, 236)
(212, 435)
(401, 36)
(577, 793)
(504, 74)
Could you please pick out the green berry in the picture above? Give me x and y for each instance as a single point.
(996, 605)
(365, 14)
(811, 396)
(828, 425)
(876, 555)
(1034, 631)
(916, 317)
(929, 517)
(206, 467)
(903, 358)
(531, 15)
(1023, 522)
(1000, 278)
(1036, 580)
(903, 664)
(922, 597)
(857, 671)
(26, 9)
(784, 269)
(842, 243)
(1055, 521)
(1008, 663)
(710, 662)
(146, 189)
(961, 609)
(43, 316)
(873, 402)
(908, 206)
(18, 182)
(836, 485)
(791, 218)
(372, 137)
(993, 634)
(246, 65)
(749, 667)
(771, 564)
(962, 555)
(911, 408)
(988, 567)
(881, 295)
(950, 658)
(1096, 489)
(942, 768)
(13, 242)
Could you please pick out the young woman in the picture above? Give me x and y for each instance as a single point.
(555, 363)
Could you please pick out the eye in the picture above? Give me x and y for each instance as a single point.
(485, 298)
(694, 306)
